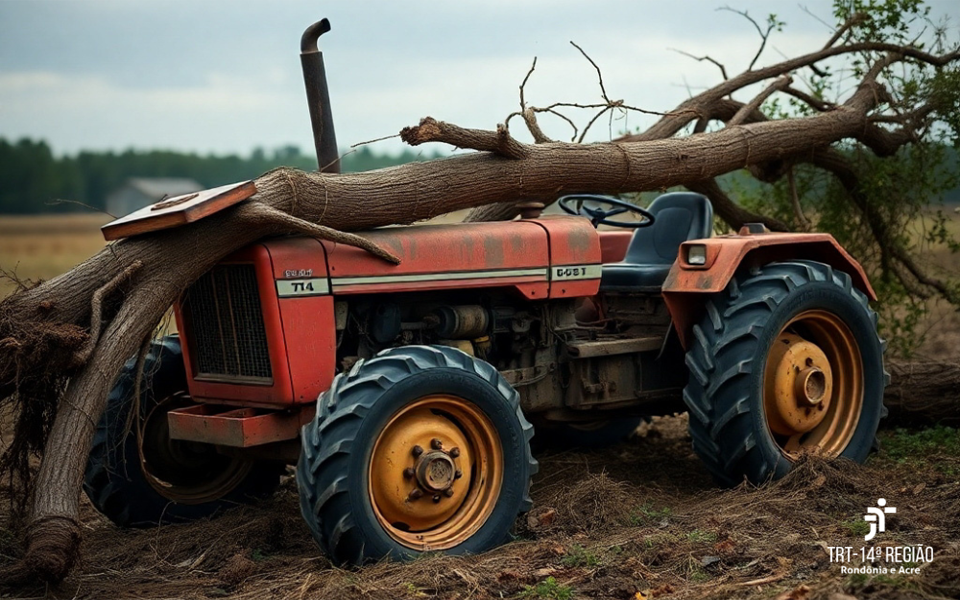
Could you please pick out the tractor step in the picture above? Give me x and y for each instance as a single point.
(236, 427)
(614, 346)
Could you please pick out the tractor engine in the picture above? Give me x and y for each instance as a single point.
(498, 332)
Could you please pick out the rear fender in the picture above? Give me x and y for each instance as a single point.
(687, 286)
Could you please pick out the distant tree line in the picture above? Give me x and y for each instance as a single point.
(33, 180)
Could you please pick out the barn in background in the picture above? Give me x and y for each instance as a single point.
(138, 192)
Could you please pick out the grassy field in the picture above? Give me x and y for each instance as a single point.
(43, 246)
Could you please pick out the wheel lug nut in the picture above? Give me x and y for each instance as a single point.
(408, 473)
(415, 494)
(454, 452)
(448, 492)
(458, 474)
(436, 498)
(417, 451)
(436, 444)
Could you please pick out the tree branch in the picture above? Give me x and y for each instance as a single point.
(764, 35)
(594, 120)
(732, 213)
(529, 115)
(832, 161)
(802, 220)
(705, 57)
(687, 111)
(853, 21)
(523, 84)
(812, 101)
(883, 142)
(96, 310)
(603, 90)
(530, 118)
(258, 213)
(754, 104)
(431, 130)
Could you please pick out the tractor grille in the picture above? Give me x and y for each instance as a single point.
(226, 322)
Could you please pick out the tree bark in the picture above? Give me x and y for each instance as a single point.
(923, 393)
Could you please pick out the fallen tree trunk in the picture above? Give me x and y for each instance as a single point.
(922, 393)
(417, 191)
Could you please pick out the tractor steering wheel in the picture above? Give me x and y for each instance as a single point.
(576, 204)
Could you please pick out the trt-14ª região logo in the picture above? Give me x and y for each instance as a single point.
(884, 559)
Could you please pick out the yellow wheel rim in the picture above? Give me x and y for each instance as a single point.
(435, 473)
(813, 385)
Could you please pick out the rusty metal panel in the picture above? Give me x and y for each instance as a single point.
(177, 211)
(237, 389)
(235, 427)
(454, 256)
(307, 312)
(613, 244)
(686, 285)
(611, 347)
(575, 256)
(726, 253)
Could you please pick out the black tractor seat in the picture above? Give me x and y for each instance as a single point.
(679, 216)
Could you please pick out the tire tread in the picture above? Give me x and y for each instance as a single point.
(329, 440)
(722, 354)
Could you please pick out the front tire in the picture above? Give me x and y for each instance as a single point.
(175, 481)
(422, 448)
(786, 360)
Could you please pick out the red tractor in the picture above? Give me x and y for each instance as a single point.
(407, 395)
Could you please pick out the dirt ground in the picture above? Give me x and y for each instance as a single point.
(642, 517)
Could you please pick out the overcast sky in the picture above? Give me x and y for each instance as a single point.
(225, 76)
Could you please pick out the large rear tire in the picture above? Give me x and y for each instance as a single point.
(176, 481)
(786, 360)
(422, 448)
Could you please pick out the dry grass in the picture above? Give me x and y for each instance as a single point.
(43, 246)
(939, 333)
(641, 516)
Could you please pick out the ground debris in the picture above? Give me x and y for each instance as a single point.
(642, 517)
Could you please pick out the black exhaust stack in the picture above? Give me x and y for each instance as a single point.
(318, 97)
